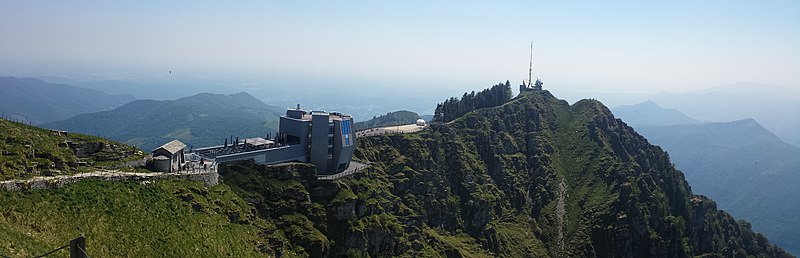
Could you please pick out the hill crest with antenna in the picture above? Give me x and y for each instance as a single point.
(527, 85)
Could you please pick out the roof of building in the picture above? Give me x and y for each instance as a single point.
(307, 116)
(172, 147)
(257, 141)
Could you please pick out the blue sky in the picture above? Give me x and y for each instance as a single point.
(611, 45)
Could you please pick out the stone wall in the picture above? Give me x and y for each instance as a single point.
(38, 183)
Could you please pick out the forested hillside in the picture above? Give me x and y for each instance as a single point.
(454, 108)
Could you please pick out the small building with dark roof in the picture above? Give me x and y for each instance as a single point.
(169, 157)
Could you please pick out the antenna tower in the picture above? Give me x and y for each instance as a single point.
(530, 67)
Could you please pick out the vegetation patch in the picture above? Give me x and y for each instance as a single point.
(130, 219)
(29, 151)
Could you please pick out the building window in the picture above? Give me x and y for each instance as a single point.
(292, 140)
(346, 132)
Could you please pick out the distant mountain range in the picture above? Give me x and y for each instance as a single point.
(775, 107)
(650, 113)
(748, 170)
(199, 120)
(166, 89)
(37, 101)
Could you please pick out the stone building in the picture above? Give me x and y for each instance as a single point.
(169, 157)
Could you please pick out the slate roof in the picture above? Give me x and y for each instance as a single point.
(172, 147)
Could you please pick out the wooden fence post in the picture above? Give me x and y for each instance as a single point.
(77, 248)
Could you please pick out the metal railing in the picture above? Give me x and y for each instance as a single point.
(345, 173)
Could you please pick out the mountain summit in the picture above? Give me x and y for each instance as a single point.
(539, 176)
(534, 176)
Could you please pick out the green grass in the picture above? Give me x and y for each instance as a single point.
(27, 151)
(131, 219)
(463, 244)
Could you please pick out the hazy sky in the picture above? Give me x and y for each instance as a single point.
(615, 45)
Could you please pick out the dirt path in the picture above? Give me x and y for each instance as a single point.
(47, 182)
(561, 211)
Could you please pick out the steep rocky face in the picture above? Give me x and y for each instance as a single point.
(533, 177)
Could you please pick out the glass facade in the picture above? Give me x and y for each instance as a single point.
(346, 132)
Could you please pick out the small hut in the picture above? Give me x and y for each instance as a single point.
(169, 157)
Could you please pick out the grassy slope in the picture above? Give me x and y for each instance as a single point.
(129, 219)
(50, 156)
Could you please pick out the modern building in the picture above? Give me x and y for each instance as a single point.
(169, 157)
(328, 137)
(325, 139)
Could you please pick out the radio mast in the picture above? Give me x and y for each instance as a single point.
(530, 68)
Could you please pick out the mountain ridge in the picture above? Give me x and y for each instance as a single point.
(533, 176)
(36, 101)
(201, 120)
(743, 166)
(573, 171)
(771, 108)
(650, 113)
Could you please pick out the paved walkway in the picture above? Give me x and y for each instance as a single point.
(352, 169)
(409, 128)
(196, 173)
(45, 182)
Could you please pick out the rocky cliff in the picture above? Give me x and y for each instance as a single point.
(533, 177)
